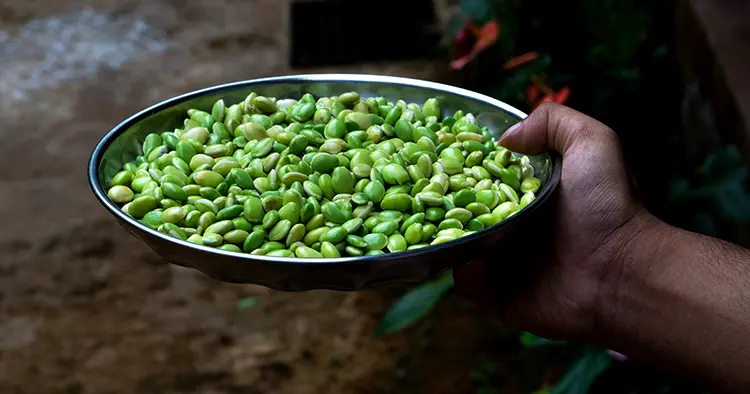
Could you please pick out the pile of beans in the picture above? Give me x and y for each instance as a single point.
(337, 176)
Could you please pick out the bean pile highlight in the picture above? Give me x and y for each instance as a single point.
(337, 176)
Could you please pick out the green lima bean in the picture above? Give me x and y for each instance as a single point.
(340, 176)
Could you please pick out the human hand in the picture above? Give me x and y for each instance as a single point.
(557, 294)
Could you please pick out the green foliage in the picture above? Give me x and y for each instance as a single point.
(716, 194)
(531, 340)
(480, 11)
(414, 305)
(617, 29)
(513, 88)
(417, 303)
(599, 49)
(583, 372)
(585, 369)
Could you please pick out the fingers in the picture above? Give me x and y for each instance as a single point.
(555, 127)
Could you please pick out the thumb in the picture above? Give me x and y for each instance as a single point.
(556, 127)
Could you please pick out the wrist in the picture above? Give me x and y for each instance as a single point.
(631, 254)
(679, 300)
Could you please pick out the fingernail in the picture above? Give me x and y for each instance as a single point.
(617, 356)
(513, 128)
(510, 131)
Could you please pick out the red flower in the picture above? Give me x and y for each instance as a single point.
(532, 94)
(463, 41)
(559, 97)
(520, 60)
(562, 96)
(485, 38)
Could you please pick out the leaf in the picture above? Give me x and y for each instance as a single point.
(414, 305)
(247, 302)
(481, 11)
(584, 371)
(530, 340)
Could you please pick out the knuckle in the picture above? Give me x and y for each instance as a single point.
(548, 107)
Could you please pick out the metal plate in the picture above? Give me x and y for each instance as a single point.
(123, 143)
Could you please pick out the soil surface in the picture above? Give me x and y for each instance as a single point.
(86, 308)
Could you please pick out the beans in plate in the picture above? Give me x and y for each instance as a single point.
(336, 176)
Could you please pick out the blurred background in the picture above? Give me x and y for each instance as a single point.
(85, 308)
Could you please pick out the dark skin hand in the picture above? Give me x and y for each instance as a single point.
(612, 273)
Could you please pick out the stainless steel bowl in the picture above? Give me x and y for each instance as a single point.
(123, 143)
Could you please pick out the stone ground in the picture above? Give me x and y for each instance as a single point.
(85, 308)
